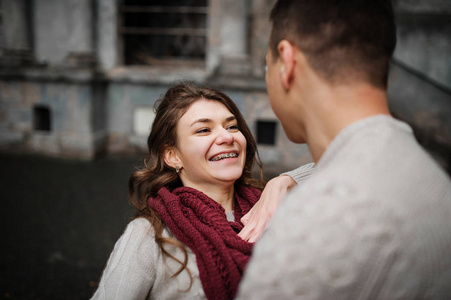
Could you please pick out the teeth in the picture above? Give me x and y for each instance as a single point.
(222, 156)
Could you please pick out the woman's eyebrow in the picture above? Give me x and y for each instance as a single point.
(206, 120)
(202, 120)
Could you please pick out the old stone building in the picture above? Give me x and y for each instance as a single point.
(79, 77)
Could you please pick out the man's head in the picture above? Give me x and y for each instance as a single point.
(343, 40)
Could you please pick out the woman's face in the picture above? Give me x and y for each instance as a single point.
(210, 146)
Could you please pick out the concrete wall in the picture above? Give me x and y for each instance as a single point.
(16, 35)
(424, 37)
(63, 30)
(77, 117)
(74, 66)
(420, 79)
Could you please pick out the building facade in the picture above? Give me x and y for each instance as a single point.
(79, 77)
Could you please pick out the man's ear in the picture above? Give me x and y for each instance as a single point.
(288, 62)
(171, 158)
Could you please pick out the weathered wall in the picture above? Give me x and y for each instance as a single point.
(70, 59)
(420, 79)
(77, 113)
(424, 37)
(63, 30)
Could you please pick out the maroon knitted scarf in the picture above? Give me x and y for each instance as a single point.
(200, 223)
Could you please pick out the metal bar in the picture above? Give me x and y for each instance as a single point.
(164, 31)
(164, 9)
(421, 76)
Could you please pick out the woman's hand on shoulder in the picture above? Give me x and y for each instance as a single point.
(256, 219)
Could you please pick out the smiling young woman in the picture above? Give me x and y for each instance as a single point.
(210, 151)
(190, 196)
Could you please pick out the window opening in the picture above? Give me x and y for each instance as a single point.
(266, 132)
(155, 32)
(142, 120)
(41, 118)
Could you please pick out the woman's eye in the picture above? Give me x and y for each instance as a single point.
(232, 127)
(202, 130)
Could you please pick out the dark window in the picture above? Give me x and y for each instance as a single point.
(266, 132)
(155, 32)
(41, 118)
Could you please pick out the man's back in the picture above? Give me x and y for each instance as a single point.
(373, 222)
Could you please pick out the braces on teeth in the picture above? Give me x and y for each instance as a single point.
(222, 156)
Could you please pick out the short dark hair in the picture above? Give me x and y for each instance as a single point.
(342, 39)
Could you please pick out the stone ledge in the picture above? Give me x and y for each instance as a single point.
(160, 75)
(54, 74)
(167, 75)
(422, 7)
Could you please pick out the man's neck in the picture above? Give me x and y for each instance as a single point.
(334, 108)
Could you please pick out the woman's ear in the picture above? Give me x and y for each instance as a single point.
(288, 62)
(171, 158)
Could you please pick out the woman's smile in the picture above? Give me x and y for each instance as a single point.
(210, 146)
(224, 156)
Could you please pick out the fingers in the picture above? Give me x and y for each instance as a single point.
(245, 233)
(253, 231)
(249, 220)
(254, 227)
(245, 219)
(256, 219)
(257, 233)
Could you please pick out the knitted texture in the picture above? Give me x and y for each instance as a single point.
(372, 222)
(201, 224)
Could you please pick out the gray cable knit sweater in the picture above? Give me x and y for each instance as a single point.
(372, 222)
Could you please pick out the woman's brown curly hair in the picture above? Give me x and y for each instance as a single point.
(146, 182)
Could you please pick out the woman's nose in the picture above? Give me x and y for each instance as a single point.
(224, 137)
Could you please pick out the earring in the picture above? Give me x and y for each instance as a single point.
(177, 169)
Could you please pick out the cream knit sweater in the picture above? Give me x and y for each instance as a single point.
(372, 222)
(136, 269)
